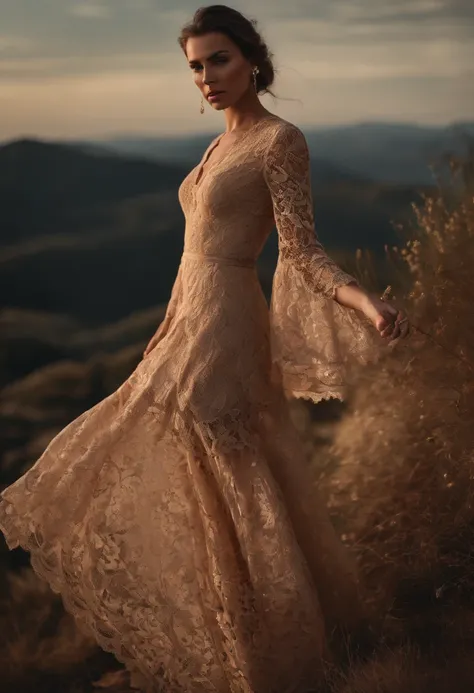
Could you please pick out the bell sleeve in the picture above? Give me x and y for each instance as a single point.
(314, 339)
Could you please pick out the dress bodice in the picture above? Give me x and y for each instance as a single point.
(231, 203)
(227, 206)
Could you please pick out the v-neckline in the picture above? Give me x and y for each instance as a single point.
(214, 144)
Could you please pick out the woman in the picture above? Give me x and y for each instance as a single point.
(177, 517)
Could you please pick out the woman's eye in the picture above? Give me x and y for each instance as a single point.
(217, 61)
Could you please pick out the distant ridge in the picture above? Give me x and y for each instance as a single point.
(379, 151)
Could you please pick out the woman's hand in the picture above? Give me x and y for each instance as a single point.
(387, 320)
(390, 322)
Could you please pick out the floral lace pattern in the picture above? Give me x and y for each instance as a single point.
(178, 517)
(314, 339)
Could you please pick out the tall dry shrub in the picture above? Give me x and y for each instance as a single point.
(404, 483)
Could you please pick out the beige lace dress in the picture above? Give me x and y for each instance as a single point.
(177, 517)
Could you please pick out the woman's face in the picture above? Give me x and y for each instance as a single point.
(219, 66)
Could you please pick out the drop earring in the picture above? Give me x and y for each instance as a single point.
(201, 110)
(255, 72)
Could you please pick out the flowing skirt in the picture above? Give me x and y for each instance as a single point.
(178, 517)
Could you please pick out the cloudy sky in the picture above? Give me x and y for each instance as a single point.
(81, 68)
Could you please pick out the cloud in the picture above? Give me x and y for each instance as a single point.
(15, 44)
(360, 37)
(90, 10)
(372, 56)
(59, 28)
(71, 67)
(378, 11)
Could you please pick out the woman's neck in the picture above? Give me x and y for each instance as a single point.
(243, 115)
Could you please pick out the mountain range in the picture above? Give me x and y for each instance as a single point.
(382, 152)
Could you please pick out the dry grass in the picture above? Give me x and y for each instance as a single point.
(404, 480)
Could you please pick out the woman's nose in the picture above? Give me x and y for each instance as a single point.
(207, 76)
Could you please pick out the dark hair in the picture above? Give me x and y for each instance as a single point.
(241, 31)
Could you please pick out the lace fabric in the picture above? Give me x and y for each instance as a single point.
(178, 517)
(315, 340)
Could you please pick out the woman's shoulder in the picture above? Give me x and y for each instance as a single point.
(281, 133)
(277, 124)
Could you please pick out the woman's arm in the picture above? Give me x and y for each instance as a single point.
(288, 177)
(351, 296)
(287, 174)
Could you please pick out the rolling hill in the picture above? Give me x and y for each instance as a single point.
(394, 153)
